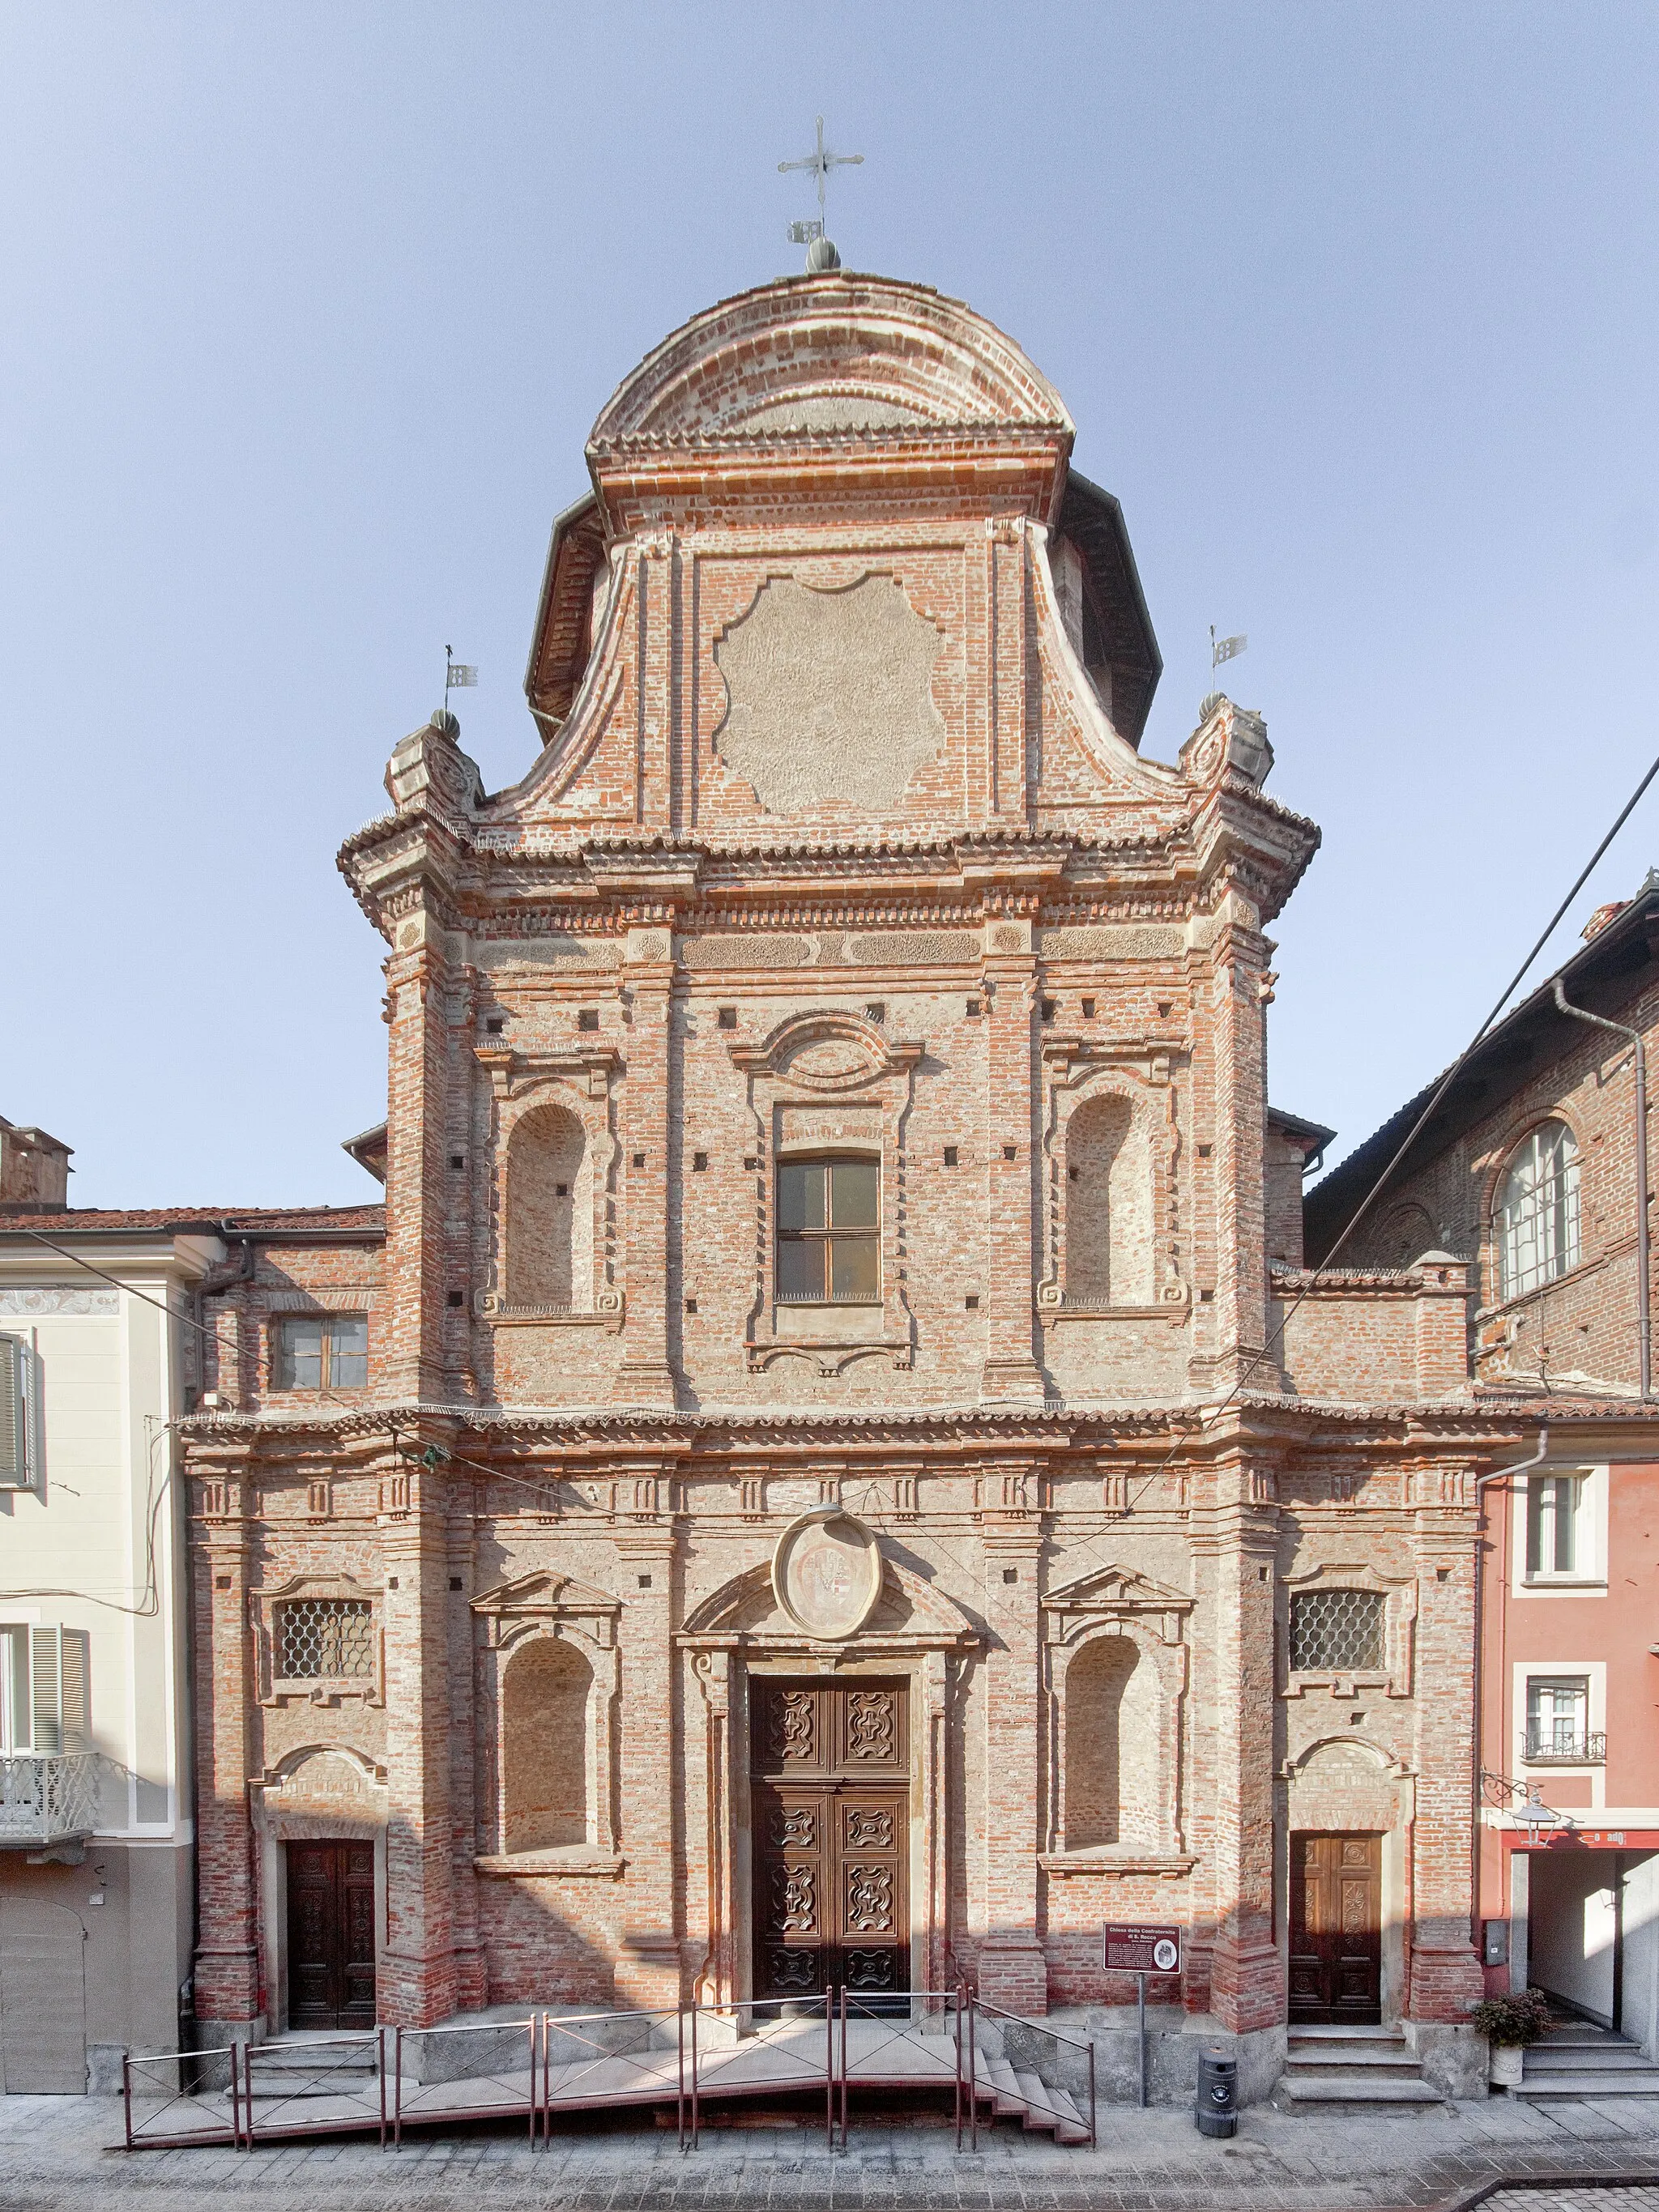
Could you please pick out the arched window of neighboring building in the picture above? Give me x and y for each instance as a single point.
(1537, 1220)
(544, 1700)
(1108, 1207)
(1112, 1747)
(550, 1214)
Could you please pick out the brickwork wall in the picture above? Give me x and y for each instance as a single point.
(1583, 1322)
(1041, 953)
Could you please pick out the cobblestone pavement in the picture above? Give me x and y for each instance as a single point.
(55, 2152)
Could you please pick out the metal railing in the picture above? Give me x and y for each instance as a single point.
(771, 2045)
(197, 2097)
(47, 1798)
(926, 2064)
(590, 2060)
(482, 2070)
(377, 2080)
(1566, 1747)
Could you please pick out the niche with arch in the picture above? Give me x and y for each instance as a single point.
(549, 1675)
(1116, 1667)
(1113, 1735)
(549, 1211)
(1109, 1205)
(546, 1688)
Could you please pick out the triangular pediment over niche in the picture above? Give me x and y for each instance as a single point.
(547, 1593)
(1116, 1589)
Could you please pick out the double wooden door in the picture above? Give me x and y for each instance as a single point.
(829, 1791)
(331, 1934)
(1336, 1930)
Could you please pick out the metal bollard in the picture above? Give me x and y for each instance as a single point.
(1218, 2093)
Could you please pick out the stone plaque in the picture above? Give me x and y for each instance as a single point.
(830, 695)
(827, 1573)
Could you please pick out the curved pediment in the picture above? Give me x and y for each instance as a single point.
(827, 1051)
(827, 355)
(910, 1612)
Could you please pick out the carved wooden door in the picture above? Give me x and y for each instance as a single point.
(1336, 1930)
(830, 1795)
(331, 1934)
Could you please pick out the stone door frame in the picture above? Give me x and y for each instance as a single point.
(930, 1654)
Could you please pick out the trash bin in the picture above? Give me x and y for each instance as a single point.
(1218, 2093)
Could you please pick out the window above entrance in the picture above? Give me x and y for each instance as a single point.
(829, 1230)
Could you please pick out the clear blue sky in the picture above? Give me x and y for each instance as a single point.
(308, 309)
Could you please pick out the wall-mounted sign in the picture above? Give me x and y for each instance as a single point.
(1140, 1950)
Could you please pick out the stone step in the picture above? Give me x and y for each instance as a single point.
(1386, 2059)
(1052, 2108)
(1541, 2088)
(1337, 2091)
(1007, 2100)
(1580, 2058)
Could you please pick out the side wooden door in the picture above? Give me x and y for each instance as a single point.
(1336, 1930)
(331, 1934)
(830, 1795)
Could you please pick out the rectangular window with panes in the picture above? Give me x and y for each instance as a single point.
(1558, 1722)
(828, 1232)
(1560, 1540)
(321, 1352)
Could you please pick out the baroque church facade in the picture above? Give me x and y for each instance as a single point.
(834, 1474)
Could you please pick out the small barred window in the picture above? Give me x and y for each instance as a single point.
(329, 1638)
(1336, 1629)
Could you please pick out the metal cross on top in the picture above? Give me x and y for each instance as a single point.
(821, 163)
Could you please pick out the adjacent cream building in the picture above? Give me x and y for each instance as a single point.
(96, 1840)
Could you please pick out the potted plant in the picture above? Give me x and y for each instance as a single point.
(1510, 2024)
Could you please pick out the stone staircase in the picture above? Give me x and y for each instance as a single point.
(1578, 2059)
(1331, 2071)
(1040, 2107)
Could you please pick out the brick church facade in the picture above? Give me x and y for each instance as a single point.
(810, 1488)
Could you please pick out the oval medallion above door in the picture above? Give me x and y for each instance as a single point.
(826, 1573)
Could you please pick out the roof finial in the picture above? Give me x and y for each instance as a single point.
(821, 254)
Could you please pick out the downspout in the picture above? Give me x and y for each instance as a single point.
(1644, 1320)
(1497, 1474)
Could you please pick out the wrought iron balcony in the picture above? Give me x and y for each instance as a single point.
(47, 1800)
(1565, 1746)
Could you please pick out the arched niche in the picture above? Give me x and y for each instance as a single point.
(548, 1208)
(547, 1687)
(1113, 1732)
(1109, 1205)
(547, 1680)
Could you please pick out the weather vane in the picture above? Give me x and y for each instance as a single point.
(821, 254)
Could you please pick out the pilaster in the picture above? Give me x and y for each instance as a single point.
(646, 1376)
(649, 1970)
(1445, 1977)
(1236, 1539)
(417, 1123)
(1011, 1369)
(1012, 1971)
(418, 1984)
(229, 1985)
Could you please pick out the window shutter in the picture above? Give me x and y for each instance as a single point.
(45, 1685)
(15, 1366)
(75, 1712)
(59, 1691)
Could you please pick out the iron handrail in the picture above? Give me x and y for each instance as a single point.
(526, 2026)
(571, 2024)
(136, 2140)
